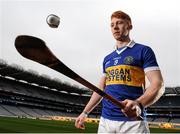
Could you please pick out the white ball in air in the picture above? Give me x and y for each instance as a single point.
(53, 20)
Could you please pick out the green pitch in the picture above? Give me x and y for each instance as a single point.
(16, 125)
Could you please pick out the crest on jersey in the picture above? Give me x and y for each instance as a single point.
(128, 60)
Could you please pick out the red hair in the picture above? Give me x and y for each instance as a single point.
(122, 15)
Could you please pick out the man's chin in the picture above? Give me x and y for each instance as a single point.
(118, 37)
(124, 38)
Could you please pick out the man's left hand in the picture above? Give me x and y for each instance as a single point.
(131, 109)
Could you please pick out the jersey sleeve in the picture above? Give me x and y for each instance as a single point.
(149, 60)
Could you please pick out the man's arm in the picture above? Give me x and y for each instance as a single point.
(95, 98)
(93, 102)
(150, 96)
(154, 91)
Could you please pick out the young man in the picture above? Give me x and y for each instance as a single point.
(124, 78)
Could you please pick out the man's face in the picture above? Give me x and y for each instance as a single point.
(120, 28)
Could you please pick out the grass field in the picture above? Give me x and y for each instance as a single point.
(17, 125)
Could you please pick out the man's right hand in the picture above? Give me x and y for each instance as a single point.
(80, 121)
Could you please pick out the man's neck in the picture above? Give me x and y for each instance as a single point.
(122, 43)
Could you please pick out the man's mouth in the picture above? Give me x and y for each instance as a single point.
(116, 33)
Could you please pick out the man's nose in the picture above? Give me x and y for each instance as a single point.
(116, 27)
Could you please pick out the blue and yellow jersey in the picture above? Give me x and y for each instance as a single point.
(125, 70)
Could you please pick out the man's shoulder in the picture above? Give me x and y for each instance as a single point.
(109, 56)
(140, 45)
(141, 48)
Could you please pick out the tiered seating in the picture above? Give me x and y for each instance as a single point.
(16, 111)
(161, 119)
(26, 100)
(30, 111)
(4, 112)
(175, 120)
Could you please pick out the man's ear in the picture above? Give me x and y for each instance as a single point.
(130, 27)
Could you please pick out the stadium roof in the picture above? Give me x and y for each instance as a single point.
(17, 72)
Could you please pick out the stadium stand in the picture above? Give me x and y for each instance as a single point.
(28, 94)
(5, 112)
(25, 93)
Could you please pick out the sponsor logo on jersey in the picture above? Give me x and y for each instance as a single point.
(125, 74)
(107, 62)
(115, 62)
(117, 58)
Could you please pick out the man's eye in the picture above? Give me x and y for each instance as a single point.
(112, 25)
(120, 22)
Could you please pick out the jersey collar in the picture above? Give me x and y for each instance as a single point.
(129, 45)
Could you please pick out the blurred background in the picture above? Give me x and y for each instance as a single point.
(83, 37)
